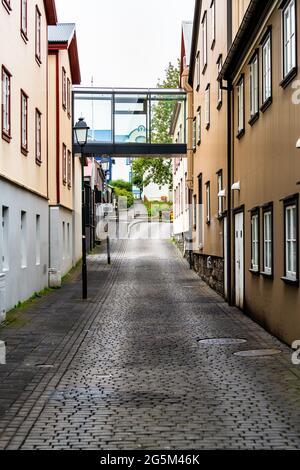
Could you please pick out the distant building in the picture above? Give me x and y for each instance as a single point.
(64, 176)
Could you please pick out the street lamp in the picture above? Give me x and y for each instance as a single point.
(81, 135)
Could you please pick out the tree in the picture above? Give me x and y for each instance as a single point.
(159, 170)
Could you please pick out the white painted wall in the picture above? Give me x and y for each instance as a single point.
(22, 282)
(153, 192)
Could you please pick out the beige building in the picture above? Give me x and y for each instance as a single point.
(23, 148)
(211, 40)
(64, 175)
(262, 75)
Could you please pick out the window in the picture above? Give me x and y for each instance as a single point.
(241, 107)
(199, 126)
(24, 18)
(4, 239)
(254, 99)
(194, 133)
(69, 175)
(289, 38)
(69, 97)
(267, 70)
(291, 240)
(38, 35)
(64, 164)
(7, 5)
(68, 241)
(268, 241)
(213, 23)
(255, 241)
(64, 239)
(220, 188)
(208, 217)
(204, 42)
(23, 239)
(24, 123)
(220, 92)
(38, 240)
(198, 71)
(64, 88)
(195, 212)
(207, 106)
(38, 136)
(6, 104)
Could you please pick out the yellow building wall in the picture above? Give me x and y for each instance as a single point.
(18, 57)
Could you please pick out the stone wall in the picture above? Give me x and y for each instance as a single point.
(211, 270)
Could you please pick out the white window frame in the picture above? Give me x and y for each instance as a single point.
(254, 83)
(289, 38)
(199, 126)
(198, 70)
(204, 42)
(213, 22)
(220, 188)
(268, 241)
(255, 242)
(241, 105)
(291, 251)
(208, 205)
(194, 134)
(207, 106)
(220, 91)
(38, 136)
(6, 103)
(267, 69)
(24, 121)
(24, 15)
(38, 35)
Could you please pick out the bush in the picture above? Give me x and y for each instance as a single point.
(124, 193)
(121, 184)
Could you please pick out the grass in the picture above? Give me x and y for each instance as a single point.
(17, 316)
(154, 207)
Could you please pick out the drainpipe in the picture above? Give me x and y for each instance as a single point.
(229, 184)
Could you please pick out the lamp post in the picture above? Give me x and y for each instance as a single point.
(81, 134)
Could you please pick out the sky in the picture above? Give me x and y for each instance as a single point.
(126, 43)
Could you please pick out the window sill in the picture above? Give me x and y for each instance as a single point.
(266, 104)
(219, 106)
(6, 137)
(38, 60)
(199, 142)
(267, 275)
(213, 44)
(255, 272)
(253, 119)
(6, 6)
(24, 151)
(38, 162)
(289, 77)
(207, 126)
(240, 134)
(24, 36)
(208, 223)
(291, 282)
(198, 88)
(204, 69)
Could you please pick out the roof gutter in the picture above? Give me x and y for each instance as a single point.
(195, 35)
(253, 18)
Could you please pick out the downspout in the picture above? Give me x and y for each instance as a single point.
(229, 184)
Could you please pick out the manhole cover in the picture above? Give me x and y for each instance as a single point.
(258, 353)
(45, 366)
(221, 341)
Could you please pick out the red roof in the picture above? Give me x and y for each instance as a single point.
(51, 13)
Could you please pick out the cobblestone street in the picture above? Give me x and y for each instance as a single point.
(126, 370)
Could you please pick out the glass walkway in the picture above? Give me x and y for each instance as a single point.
(129, 122)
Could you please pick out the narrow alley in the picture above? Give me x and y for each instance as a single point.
(128, 369)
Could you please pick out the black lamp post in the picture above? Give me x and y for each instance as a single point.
(81, 134)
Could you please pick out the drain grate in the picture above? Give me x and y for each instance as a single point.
(258, 353)
(221, 341)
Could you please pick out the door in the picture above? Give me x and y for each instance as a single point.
(239, 260)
